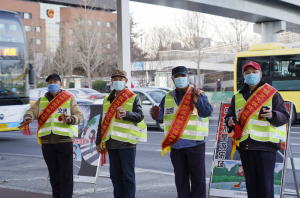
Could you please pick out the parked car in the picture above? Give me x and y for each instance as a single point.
(86, 93)
(167, 89)
(35, 94)
(148, 98)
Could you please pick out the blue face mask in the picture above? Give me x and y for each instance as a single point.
(276, 68)
(180, 82)
(252, 79)
(119, 85)
(53, 88)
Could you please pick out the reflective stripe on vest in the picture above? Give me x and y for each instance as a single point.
(259, 130)
(53, 124)
(123, 130)
(195, 129)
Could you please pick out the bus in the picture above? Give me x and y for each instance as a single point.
(280, 68)
(15, 72)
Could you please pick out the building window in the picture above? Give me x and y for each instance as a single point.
(27, 28)
(38, 29)
(13, 27)
(98, 23)
(108, 46)
(70, 31)
(27, 15)
(89, 22)
(116, 35)
(38, 41)
(107, 24)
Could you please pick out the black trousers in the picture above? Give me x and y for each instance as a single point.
(259, 171)
(59, 159)
(189, 167)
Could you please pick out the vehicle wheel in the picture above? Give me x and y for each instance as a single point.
(294, 116)
(160, 126)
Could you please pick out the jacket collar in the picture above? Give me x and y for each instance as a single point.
(49, 95)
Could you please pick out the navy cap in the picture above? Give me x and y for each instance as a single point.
(180, 70)
(55, 76)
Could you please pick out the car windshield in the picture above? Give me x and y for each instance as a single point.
(90, 91)
(157, 96)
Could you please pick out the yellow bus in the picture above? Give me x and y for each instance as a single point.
(280, 68)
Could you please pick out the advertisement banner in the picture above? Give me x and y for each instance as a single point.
(227, 176)
(85, 156)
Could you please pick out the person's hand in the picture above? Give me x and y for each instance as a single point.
(231, 122)
(68, 119)
(235, 171)
(267, 114)
(27, 120)
(150, 111)
(99, 149)
(195, 94)
(122, 113)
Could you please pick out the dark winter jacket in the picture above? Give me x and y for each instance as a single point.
(280, 117)
(135, 117)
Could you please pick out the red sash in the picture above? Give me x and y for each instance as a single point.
(258, 99)
(182, 117)
(51, 108)
(120, 100)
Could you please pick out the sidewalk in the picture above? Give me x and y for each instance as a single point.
(10, 193)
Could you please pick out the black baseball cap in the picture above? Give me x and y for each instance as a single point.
(55, 76)
(180, 70)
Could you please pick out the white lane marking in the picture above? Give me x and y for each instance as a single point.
(296, 163)
(23, 155)
(27, 179)
(212, 140)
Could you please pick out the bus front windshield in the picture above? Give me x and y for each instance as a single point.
(11, 31)
(13, 72)
(282, 72)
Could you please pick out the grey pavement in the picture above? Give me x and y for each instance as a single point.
(23, 170)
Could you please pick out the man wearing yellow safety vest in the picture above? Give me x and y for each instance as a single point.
(184, 112)
(120, 128)
(58, 116)
(258, 115)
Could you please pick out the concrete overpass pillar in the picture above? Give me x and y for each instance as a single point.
(123, 27)
(269, 30)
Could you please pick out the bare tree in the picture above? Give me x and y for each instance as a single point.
(234, 33)
(192, 32)
(35, 50)
(91, 42)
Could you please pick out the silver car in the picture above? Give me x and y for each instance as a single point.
(148, 98)
(86, 93)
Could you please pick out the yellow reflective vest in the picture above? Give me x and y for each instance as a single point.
(259, 130)
(195, 129)
(123, 130)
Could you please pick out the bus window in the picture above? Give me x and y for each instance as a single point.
(285, 72)
(11, 31)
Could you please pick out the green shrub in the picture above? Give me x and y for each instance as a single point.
(72, 85)
(41, 84)
(99, 85)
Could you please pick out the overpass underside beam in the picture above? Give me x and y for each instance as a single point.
(269, 30)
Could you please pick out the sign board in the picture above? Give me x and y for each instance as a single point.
(85, 156)
(226, 174)
(139, 66)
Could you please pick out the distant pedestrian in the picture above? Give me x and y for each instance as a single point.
(132, 86)
(107, 88)
(218, 85)
(86, 86)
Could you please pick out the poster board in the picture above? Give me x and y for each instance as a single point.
(86, 159)
(225, 173)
